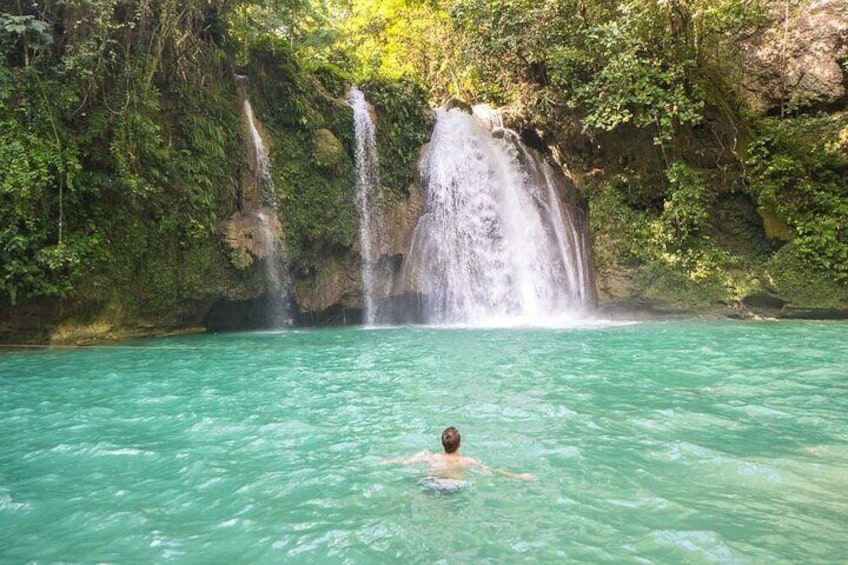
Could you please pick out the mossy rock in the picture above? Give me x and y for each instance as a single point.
(802, 287)
(674, 290)
(455, 103)
(329, 151)
(775, 226)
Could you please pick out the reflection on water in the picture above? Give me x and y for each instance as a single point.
(657, 442)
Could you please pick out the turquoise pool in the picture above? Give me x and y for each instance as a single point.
(660, 442)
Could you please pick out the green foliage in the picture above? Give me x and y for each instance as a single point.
(675, 241)
(402, 128)
(510, 45)
(278, 82)
(33, 30)
(641, 62)
(796, 169)
(34, 261)
(21, 36)
(620, 232)
(684, 214)
(633, 85)
(123, 133)
(296, 23)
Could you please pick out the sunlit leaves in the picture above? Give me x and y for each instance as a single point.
(294, 22)
(390, 39)
(633, 85)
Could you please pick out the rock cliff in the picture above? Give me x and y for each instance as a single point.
(800, 61)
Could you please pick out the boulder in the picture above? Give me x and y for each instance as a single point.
(329, 151)
(457, 104)
(799, 61)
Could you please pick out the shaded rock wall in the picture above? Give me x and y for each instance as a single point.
(799, 61)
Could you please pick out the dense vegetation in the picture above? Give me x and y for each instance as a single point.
(121, 152)
(642, 99)
(116, 139)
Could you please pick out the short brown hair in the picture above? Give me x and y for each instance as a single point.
(451, 439)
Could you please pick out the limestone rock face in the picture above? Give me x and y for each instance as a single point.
(334, 281)
(799, 62)
(399, 216)
(246, 236)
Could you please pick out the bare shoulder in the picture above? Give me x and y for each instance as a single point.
(451, 460)
(420, 457)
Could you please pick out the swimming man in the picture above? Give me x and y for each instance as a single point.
(451, 464)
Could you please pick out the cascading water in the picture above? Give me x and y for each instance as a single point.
(269, 244)
(262, 170)
(367, 200)
(494, 245)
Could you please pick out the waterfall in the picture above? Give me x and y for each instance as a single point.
(261, 162)
(367, 200)
(268, 245)
(495, 243)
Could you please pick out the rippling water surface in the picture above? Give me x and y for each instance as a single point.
(659, 442)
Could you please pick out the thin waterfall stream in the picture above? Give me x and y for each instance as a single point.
(367, 200)
(270, 247)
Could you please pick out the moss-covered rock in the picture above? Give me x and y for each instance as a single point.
(802, 288)
(774, 225)
(329, 151)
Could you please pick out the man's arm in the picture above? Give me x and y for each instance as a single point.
(522, 476)
(491, 471)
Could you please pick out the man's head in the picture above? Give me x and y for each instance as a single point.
(451, 439)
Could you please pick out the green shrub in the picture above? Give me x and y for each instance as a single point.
(796, 170)
(403, 126)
